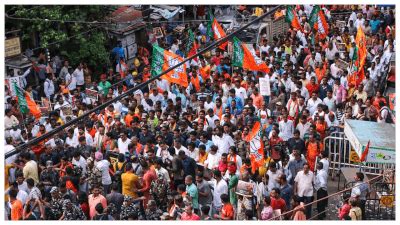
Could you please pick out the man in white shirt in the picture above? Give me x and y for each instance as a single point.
(313, 102)
(78, 73)
(79, 161)
(303, 187)
(330, 101)
(155, 96)
(179, 147)
(220, 187)
(222, 141)
(162, 170)
(193, 152)
(240, 91)
(49, 87)
(321, 186)
(286, 128)
(103, 165)
(123, 142)
(211, 117)
(70, 81)
(273, 174)
(212, 158)
(98, 138)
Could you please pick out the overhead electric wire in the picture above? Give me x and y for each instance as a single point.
(131, 90)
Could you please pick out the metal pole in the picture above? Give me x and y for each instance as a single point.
(131, 90)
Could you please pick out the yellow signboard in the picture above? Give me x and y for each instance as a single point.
(12, 47)
(354, 158)
(387, 201)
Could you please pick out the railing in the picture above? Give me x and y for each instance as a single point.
(340, 155)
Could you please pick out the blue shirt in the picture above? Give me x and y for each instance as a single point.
(239, 103)
(191, 190)
(374, 25)
(119, 52)
(286, 194)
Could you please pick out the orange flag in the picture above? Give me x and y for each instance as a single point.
(33, 108)
(243, 57)
(219, 33)
(163, 60)
(256, 146)
(365, 153)
(360, 54)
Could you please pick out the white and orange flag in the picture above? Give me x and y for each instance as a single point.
(256, 146)
(219, 33)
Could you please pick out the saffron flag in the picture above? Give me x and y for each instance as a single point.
(292, 18)
(318, 22)
(210, 19)
(364, 155)
(243, 57)
(358, 60)
(256, 146)
(26, 104)
(163, 60)
(191, 46)
(219, 33)
(122, 68)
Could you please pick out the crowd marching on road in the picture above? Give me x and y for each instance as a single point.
(234, 134)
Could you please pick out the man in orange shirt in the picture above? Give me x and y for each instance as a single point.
(95, 199)
(227, 212)
(16, 205)
(257, 98)
(312, 86)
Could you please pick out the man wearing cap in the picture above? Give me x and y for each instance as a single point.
(49, 176)
(103, 166)
(56, 204)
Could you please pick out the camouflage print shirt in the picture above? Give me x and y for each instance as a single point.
(129, 210)
(56, 208)
(94, 178)
(74, 213)
(154, 214)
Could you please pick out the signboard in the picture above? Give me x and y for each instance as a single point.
(340, 24)
(265, 86)
(158, 32)
(245, 188)
(46, 103)
(92, 94)
(387, 201)
(354, 158)
(132, 50)
(341, 47)
(343, 65)
(381, 149)
(355, 143)
(12, 47)
(67, 110)
(44, 111)
(380, 155)
(10, 83)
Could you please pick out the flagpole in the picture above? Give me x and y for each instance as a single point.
(133, 89)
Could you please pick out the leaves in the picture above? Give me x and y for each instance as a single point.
(70, 39)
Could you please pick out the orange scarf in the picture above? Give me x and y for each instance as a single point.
(196, 83)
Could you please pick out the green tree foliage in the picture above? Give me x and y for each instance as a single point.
(76, 41)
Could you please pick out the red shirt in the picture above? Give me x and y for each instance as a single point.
(185, 216)
(312, 88)
(222, 167)
(227, 211)
(278, 204)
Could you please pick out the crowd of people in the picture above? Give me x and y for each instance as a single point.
(168, 152)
